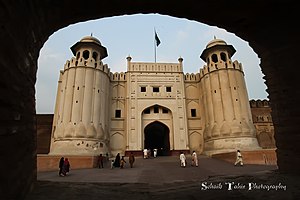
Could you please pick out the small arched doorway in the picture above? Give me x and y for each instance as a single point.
(157, 137)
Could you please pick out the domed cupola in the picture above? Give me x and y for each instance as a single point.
(217, 44)
(89, 42)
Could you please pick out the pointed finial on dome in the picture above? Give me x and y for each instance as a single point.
(215, 37)
(91, 34)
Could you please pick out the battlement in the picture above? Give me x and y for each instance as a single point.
(259, 103)
(192, 77)
(154, 67)
(118, 76)
(220, 65)
(87, 63)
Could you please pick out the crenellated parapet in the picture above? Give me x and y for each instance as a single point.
(192, 77)
(90, 63)
(259, 103)
(221, 65)
(118, 76)
(154, 67)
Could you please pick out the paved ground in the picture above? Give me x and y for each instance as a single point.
(163, 178)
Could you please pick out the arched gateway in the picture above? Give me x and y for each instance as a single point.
(157, 129)
(157, 136)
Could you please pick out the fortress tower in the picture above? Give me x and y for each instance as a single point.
(228, 120)
(81, 115)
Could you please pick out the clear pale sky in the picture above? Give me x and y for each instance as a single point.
(134, 35)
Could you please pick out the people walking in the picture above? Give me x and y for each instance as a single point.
(182, 159)
(148, 153)
(112, 164)
(154, 153)
(239, 158)
(100, 161)
(61, 165)
(194, 159)
(117, 160)
(145, 153)
(66, 167)
(131, 159)
(122, 162)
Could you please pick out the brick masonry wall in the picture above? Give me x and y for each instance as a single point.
(50, 163)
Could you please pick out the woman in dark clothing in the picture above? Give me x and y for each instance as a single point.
(117, 160)
(66, 167)
(100, 161)
(61, 165)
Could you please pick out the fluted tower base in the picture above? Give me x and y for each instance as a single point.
(224, 145)
(81, 147)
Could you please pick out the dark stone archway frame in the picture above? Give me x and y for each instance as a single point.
(268, 26)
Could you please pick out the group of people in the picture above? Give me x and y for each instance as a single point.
(147, 153)
(64, 166)
(119, 161)
(183, 161)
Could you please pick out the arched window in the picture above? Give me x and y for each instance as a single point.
(95, 56)
(214, 58)
(78, 55)
(86, 54)
(223, 57)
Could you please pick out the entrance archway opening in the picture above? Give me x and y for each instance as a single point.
(157, 136)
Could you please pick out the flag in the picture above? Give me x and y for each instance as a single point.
(157, 39)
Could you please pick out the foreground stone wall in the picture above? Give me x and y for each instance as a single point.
(44, 130)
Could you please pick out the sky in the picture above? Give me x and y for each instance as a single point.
(133, 35)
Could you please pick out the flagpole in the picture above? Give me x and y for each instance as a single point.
(154, 52)
(154, 47)
(156, 43)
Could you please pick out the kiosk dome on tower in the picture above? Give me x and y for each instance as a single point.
(90, 39)
(216, 42)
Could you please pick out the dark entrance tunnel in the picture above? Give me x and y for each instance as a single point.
(26, 25)
(157, 137)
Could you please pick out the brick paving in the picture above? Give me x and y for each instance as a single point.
(163, 178)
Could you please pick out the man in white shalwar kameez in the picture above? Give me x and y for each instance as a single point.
(239, 158)
(145, 153)
(194, 159)
(154, 153)
(182, 159)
